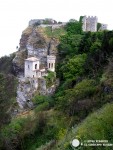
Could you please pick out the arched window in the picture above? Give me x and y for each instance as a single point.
(35, 66)
(49, 65)
(52, 65)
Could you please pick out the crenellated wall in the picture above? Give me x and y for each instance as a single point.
(89, 23)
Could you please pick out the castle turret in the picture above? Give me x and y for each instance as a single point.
(51, 62)
(93, 24)
(89, 23)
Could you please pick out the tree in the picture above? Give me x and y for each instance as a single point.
(100, 125)
(69, 44)
(74, 67)
(7, 97)
(74, 27)
(98, 26)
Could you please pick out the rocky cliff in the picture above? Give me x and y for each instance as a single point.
(38, 41)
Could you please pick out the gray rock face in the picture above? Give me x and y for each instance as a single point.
(34, 21)
(35, 43)
(41, 21)
(23, 41)
(18, 62)
(25, 92)
(44, 90)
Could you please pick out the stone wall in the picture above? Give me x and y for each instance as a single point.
(103, 27)
(38, 21)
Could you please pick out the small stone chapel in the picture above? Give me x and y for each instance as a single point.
(32, 67)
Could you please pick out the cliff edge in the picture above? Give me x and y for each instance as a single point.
(38, 41)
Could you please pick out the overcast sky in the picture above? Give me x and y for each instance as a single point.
(15, 15)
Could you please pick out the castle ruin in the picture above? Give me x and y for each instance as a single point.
(89, 23)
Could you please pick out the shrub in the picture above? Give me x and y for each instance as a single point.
(42, 107)
(74, 67)
(100, 125)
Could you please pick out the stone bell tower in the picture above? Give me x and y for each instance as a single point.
(51, 62)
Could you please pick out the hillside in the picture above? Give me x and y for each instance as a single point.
(37, 41)
(81, 106)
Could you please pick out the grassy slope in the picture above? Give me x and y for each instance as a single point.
(49, 122)
(97, 126)
(23, 123)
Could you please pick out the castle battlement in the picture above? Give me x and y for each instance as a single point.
(89, 23)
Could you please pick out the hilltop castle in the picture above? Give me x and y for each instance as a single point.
(90, 24)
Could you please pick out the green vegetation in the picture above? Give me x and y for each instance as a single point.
(17, 132)
(88, 62)
(77, 100)
(54, 33)
(97, 126)
(7, 97)
(74, 68)
(50, 78)
(100, 125)
(42, 102)
(74, 27)
(33, 131)
(82, 104)
(86, 88)
(98, 26)
(69, 43)
(6, 64)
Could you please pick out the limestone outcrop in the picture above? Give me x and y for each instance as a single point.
(36, 41)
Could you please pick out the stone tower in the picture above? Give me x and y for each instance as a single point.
(84, 23)
(51, 63)
(89, 23)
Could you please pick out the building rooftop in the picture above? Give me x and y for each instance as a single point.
(51, 56)
(32, 59)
